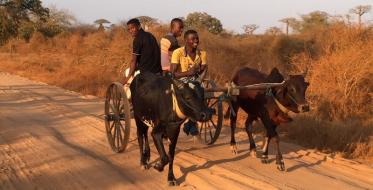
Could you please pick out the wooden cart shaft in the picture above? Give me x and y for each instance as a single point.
(233, 90)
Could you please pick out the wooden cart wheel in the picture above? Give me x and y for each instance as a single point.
(209, 131)
(117, 117)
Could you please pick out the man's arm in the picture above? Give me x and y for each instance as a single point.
(175, 67)
(204, 62)
(132, 68)
(203, 67)
(137, 46)
(165, 54)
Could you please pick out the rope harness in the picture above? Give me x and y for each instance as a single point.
(278, 103)
(175, 104)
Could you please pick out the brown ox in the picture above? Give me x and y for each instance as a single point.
(271, 106)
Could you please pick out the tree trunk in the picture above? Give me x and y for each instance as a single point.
(287, 29)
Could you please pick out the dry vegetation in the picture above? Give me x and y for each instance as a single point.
(339, 60)
(341, 95)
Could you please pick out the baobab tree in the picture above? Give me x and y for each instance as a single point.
(360, 11)
(147, 21)
(250, 28)
(348, 19)
(273, 31)
(101, 23)
(289, 21)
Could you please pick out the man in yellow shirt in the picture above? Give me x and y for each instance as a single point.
(187, 64)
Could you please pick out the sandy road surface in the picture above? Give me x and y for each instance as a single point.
(51, 138)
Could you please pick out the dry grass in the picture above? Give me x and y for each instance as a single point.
(352, 137)
(340, 94)
(83, 63)
(338, 58)
(341, 79)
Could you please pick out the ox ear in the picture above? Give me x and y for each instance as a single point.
(287, 77)
(275, 76)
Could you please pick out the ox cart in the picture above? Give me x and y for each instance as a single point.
(118, 111)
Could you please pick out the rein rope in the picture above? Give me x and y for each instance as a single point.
(293, 99)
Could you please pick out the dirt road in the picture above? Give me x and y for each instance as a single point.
(51, 138)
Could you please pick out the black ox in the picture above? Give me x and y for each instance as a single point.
(166, 103)
(270, 106)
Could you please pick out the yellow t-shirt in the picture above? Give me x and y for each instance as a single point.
(179, 56)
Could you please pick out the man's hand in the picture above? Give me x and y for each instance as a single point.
(131, 69)
(193, 71)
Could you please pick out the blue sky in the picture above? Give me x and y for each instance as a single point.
(232, 13)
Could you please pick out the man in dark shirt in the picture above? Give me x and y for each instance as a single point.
(146, 56)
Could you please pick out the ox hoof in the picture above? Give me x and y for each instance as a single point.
(159, 167)
(171, 180)
(281, 166)
(172, 183)
(264, 159)
(145, 166)
(234, 149)
(253, 153)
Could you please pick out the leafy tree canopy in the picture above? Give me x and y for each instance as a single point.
(204, 20)
(15, 13)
